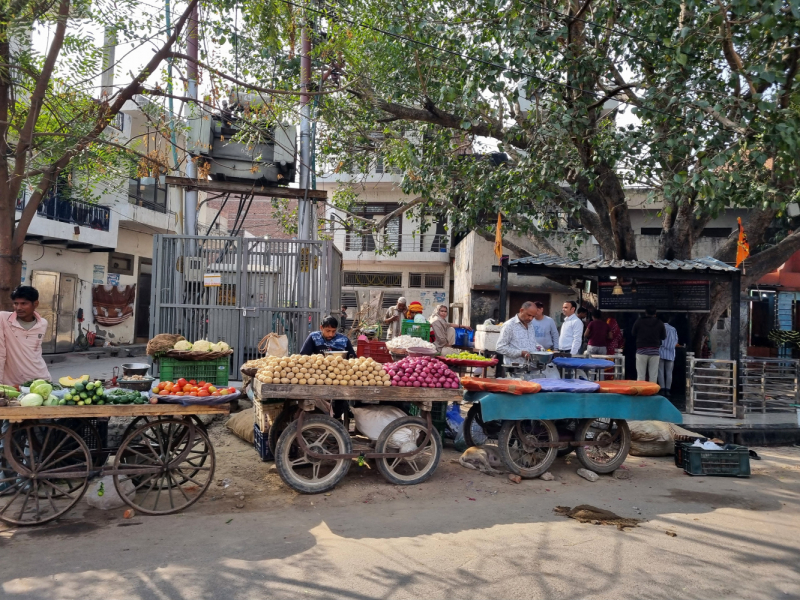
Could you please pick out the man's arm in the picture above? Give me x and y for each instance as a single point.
(554, 337)
(663, 332)
(309, 347)
(576, 336)
(504, 345)
(351, 353)
(586, 332)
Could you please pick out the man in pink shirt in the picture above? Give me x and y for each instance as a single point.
(21, 335)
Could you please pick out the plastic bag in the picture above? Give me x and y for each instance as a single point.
(273, 344)
(454, 421)
(551, 372)
(103, 495)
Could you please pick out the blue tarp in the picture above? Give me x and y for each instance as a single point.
(567, 385)
(566, 405)
(582, 363)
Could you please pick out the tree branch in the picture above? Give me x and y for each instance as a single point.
(723, 120)
(758, 265)
(791, 73)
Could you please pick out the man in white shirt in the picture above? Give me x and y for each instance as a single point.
(544, 328)
(571, 336)
(517, 336)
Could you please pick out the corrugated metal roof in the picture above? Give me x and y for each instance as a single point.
(697, 264)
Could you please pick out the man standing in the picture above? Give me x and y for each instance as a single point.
(517, 337)
(21, 334)
(667, 355)
(572, 329)
(394, 318)
(597, 334)
(649, 333)
(544, 328)
(342, 318)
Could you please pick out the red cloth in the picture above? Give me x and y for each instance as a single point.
(617, 341)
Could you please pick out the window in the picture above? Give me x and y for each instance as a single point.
(393, 230)
(366, 279)
(415, 280)
(381, 168)
(120, 263)
(118, 122)
(148, 192)
(426, 280)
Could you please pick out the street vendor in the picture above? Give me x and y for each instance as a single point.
(327, 339)
(443, 331)
(21, 334)
(517, 336)
(394, 318)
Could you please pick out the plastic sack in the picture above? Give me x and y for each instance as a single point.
(103, 495)
(274, 345)
(241, 425)
(419, 319)
(372, 420)
(551, 372)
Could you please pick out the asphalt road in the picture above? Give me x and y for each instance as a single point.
(461, 535)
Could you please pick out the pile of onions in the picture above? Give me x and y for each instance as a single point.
(423, 372)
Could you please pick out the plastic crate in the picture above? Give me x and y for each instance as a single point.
(214, 371)
(438, 416)
(375, 349)
(418, 330)
(731, 461)
(464, 338)
(265, 413)
(260, 443)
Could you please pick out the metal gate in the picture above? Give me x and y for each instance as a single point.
(711, 387)
(238, 289)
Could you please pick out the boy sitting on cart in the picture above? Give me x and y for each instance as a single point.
(327, 339)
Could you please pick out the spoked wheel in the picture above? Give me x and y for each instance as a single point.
(473, 423)
(323, 435)
(517, 449)
(139, 421)
(170, 462)
(614, 436)
(404, 435)
(41, 478)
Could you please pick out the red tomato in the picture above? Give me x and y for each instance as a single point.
(193, 394)
(179, 393)
(162, 385)
(205, 386)
(187, 388)
(193, 381)
(215, 393)
(203, 393)
(182, 382)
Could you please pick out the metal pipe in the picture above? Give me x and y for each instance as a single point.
(190, 198)
(304, 209)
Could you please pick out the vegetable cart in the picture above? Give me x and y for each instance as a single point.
(530, 430)
(317, 458)
(45, 465)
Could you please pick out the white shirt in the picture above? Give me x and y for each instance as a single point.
(515, 339)
(571, 335)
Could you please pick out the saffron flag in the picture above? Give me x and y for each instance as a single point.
(742, 247)
(498, 238)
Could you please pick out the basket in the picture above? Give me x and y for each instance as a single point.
(265, 414)
(375, 349)
(731, 461)
(214, 371)
(137, 385)
(419, 330)
(438, 416)
(192, 355)
(261, 443)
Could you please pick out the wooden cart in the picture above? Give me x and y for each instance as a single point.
(46, 464)
(407, 451)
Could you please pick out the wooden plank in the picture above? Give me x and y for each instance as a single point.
(245, 188)
(19, 413)
(265, 392)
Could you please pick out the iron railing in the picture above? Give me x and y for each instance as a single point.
(56, 208)
(386, 242)
(769, 384)
(712, 388)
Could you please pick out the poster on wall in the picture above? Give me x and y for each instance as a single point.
(113, 279)
(212, 279)
(98, 274)
(24, 270)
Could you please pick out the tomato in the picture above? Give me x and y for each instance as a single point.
(206, 385)
(215, 393)
(193, 381)
(181, 382)
(212, 389)
(179, 393)
(187, 388)
(155, 390)
(203, 393)
(162, 385)
(193, 394)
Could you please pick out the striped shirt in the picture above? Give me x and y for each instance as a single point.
(667, 350)
(515, 338)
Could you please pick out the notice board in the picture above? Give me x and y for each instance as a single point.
(667, 295)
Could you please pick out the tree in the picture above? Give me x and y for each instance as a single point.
(52, 122)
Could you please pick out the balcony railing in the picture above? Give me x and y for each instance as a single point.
(356, 242)
(77, 212)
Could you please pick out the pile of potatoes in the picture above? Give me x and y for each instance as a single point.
(322, 370)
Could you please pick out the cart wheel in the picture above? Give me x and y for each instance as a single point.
(521, 458)
(491, 429)
(278, 426)
(614, 436)
(170, 462)
(41, 479)
(139, 421)
(323, 435)
(414, 469)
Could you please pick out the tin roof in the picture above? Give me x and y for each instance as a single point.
(694, 265)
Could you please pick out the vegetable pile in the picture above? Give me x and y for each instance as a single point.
(191, 387)
(201, 346)
(9, 391)
(468, 356)
(322, 370)
(83, 393)
(120, 396)
(424, 372)
(404, 342)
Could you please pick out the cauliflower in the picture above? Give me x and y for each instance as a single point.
(182, 345)
(201, 346)
(222, 346)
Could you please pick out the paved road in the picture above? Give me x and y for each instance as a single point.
(461, 535)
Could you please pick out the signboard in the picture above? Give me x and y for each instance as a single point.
(212, 279)
(666, 295)
(98, 274)
(113, 279)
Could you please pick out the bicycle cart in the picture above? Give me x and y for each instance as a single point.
(319, 456)
(532, 429)
(45, 463)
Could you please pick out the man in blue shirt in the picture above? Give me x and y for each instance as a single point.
(667, 354)
(327, 339)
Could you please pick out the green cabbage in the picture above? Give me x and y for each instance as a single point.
(201, 346)
(182, 345)
(31, 400)
(42, 388)
(51, 401)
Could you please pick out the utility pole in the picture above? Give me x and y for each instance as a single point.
(304, 213)
(109, 53)
(190, 197)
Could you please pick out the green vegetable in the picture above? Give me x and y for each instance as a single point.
(98, 391)
(87, 401)
(101, 402)
(31, 400)
(42, 388)
(79, 387)
(62, 402)
(80, 402)
(70, 403)
(67, 396)
(98, 383)
(9, 391)
(89, 386)
(84, 395)
(50, 401)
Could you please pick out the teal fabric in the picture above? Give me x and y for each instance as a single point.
(568, 405)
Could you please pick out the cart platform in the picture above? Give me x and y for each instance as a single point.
(16, 414)
(265, 392)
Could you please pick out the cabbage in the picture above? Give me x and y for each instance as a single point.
(51, 401)
(182, 345)
(201, 346)
(31, 400)
(41, 388)
(222, 347)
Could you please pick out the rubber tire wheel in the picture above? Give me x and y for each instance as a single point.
(621, 455)
(284, 448)
(278, 426)
(473, 415)
(505, 435)
(382, 446)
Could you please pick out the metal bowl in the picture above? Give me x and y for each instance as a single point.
(138, 385)
(420, 351)
(342, 353)
(135, 368)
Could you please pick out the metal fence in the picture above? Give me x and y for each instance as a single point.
(769, 385)
(711, 387)
(238, 290)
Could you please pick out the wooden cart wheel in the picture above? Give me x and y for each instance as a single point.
(413, 469)
(517, 451)
(170, 462)
(614, 436)
(323, 435)
(491, 429)
(41, 479)
(139, 421)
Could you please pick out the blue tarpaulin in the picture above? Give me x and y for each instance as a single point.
(567, 385)
(582, 363)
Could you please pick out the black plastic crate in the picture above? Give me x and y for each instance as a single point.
(731, 461)
(261, 444)
(438, 416)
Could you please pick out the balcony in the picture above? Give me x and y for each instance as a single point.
(71, 224)
(76, 212)
(389, 247)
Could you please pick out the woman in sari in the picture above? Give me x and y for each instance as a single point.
(616, 342)
(444, 332)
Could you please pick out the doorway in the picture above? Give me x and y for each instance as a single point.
(142, 312)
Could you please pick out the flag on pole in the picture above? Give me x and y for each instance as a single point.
(498, 239)
(742, 247)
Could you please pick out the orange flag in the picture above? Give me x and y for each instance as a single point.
(498, 239)
(742, 247)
